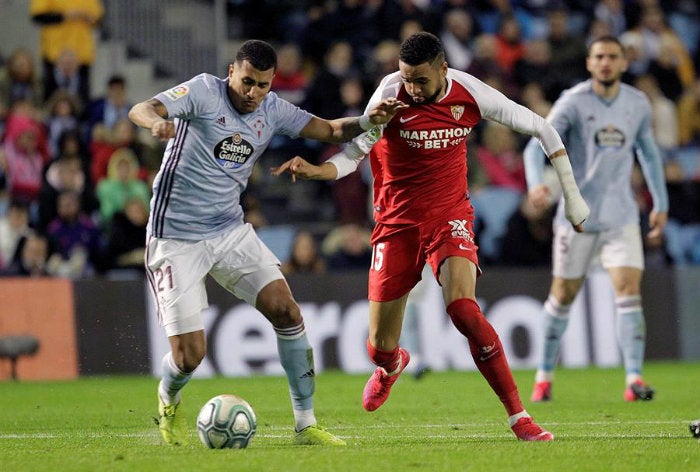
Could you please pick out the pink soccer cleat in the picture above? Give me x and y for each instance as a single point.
(379, 384)
(527, 430)
(638, 390)
(541, 392)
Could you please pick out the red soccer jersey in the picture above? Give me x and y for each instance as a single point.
(420, 163)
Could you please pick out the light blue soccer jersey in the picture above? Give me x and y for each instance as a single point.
(206, 166)
(601, 138)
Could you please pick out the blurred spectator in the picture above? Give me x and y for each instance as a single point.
(112, 107)
(19, 80)
(509, 44)
(612, 13)
(637, 62)
(67, 78)
(67, 25)
(31, 257)
(653, 31)
(64, 174)
(126, 237)
(384, 61)
(392, 17)
(532, 96)
(485, 65)
(456, 36)
(323, 95)
(598, 29)
(21, 158)
(349, 193)
(684, 18)
(105, 141)
(76, 239)
(536, 67)
(347, 247)
(500, 158)
(689, 116)
(62, 115)
(70, 143)
(121, 184)
(351, 22)
(408, 28)
(14, 225)
(664, 115)
(664, 68)
(289, 81)
(304, 256)
(682, 233)
(316, 35)
(569, 53)
(528, 237)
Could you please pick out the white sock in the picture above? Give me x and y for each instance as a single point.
(544, 376)
(304, 419)
(514, 419)
(632, 378)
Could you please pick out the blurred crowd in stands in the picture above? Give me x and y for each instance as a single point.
(75, 174)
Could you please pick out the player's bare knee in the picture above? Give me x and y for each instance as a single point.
(284, 314)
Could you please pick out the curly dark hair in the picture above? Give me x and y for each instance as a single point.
(259, 54)
(420, 48)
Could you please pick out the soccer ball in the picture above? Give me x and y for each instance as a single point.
(225, 422)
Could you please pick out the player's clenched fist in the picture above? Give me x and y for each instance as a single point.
(163, 129)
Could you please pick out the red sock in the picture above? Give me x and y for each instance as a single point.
(389, 360)
(487, 351)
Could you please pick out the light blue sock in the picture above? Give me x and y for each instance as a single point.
(556, 319)
(631, 332)
(297, 360)
(173, 380)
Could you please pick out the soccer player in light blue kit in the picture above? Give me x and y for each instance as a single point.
(603, 122)
(216, 130)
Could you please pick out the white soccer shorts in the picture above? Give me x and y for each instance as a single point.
(574, 253)
(238, 260)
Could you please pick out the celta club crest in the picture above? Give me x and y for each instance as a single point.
(457, 111)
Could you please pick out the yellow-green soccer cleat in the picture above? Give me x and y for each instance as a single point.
(172, 426)
(316, 436)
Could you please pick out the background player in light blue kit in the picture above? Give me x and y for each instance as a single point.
(216, 130)
(603, 123)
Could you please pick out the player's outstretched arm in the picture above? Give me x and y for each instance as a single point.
(341, 130)
(152, 115)
(575, 206)
(299, 167)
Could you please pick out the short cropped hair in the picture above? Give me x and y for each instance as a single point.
(259, 54)
(420, 48)
(608, 38)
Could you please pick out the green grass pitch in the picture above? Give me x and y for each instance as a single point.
(448, 421)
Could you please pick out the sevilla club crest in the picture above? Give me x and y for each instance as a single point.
(457, 111)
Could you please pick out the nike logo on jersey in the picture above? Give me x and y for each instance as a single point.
(463, 247)
(406, 120)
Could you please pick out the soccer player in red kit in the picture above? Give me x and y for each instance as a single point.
(423, 213)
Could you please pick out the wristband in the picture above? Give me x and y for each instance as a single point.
(365, 124)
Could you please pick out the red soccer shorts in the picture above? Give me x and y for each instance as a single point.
(399, 252)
